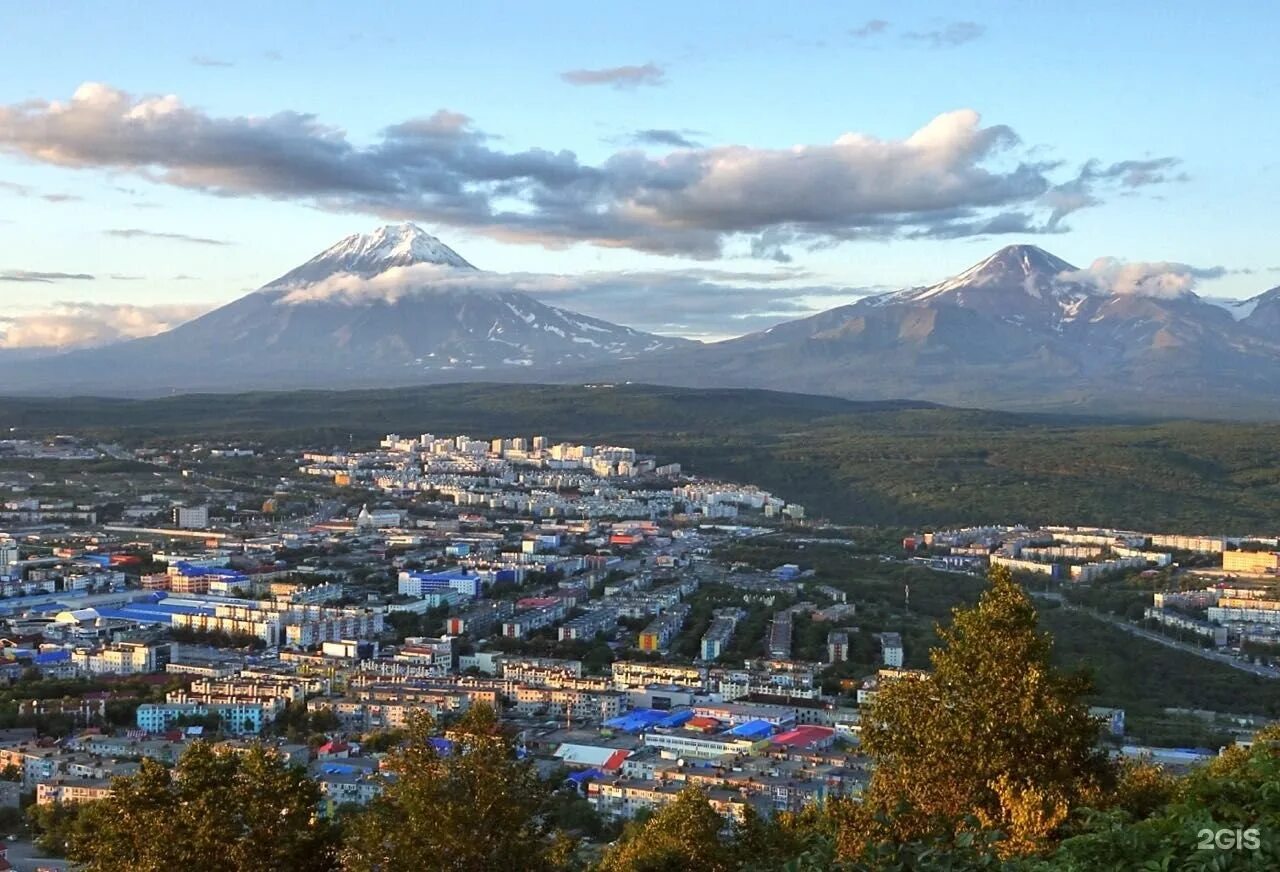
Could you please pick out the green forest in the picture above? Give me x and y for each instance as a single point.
(886, 463)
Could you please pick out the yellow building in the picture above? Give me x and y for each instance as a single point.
(1250, 562)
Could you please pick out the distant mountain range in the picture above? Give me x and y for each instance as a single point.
(1023, 329)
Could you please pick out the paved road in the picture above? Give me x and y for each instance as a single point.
(1132, 629)
(24, 857)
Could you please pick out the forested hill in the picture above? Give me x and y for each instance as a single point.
(893, 463)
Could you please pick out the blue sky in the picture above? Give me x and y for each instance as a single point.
(1184, 94)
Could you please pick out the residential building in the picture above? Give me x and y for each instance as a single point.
(891, 650)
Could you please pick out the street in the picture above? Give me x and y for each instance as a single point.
(25, 857)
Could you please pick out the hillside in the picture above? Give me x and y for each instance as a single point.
(873, 463)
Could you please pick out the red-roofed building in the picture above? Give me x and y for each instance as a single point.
(615, 760)
(537, 602)
(806, 738)
(333, 750)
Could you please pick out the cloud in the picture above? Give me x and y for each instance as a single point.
(135, 233)
(996, 225)
(953, 176)
(874, 27)
(954, 34)
(272, 55)
(1161, 279)
(663, 137)
(27, 191)
(206, 61)
(84, 325)
(618, 77)
(697, 303)
(1094, 177)
(23, 275)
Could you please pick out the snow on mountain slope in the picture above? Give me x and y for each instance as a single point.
(367, 254)
(1020, 329)
(383, 307)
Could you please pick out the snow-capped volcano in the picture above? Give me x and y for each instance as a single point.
(394, 306)
(1022, 328)
(367, 254)
(1018, 268)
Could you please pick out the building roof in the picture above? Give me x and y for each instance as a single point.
(636, 720)
(804, 737)
(595, 756)
(752, 730)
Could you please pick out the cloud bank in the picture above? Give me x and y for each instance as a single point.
(65, 326)
(954, 176)
(1161, 279)
(697, 303)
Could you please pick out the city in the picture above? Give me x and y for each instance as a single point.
(624, 617)
(578, 437)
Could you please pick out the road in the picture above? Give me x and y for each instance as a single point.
(1132, 629)
(24, 857)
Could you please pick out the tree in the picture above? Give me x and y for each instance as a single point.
(56, 823)
(1233, 797)
(215, 811)
(994, 738)
(474, 806)
(686, 833)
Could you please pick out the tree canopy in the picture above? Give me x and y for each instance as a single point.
(216, 810)
(472, 806)
(993, 737)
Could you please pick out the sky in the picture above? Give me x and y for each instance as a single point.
(694, 169)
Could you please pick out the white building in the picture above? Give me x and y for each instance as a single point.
(891, 649)
(191, 517)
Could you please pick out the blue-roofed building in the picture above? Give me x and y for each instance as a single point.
(189, 570)
(676, 719)
(752, 730)
(154, 613)
(638, 720)
(420, 584)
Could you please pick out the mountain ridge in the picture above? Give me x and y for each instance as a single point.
(1021, 330)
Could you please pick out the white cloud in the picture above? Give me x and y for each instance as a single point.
(952, 177)
(690, 302)
(1162, 279)
(83, 325)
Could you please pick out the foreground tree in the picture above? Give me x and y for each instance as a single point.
(994, 738)
(215, 811)
(1220, 816)
(474, 806)
(687, 833)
